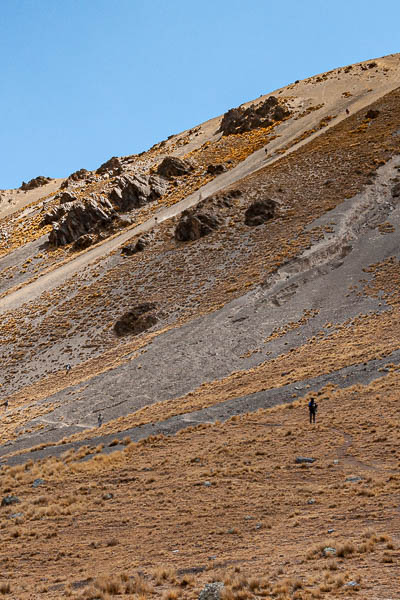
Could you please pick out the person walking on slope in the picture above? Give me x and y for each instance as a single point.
(312, 407)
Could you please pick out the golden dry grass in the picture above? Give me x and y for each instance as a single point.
(255, 513)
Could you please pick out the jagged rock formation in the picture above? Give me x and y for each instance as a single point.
(195, 225)
(35, 183)
(134, 191)
(240, 120)
(65, 197)
(140, 318)
(74, 219)
(172, 166)
(79, 175)
(259, 212)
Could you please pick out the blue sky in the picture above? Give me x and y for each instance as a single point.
(83, 80)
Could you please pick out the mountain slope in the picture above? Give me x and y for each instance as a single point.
(269, 274)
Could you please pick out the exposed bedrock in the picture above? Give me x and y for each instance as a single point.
(134, 191)
(74, 219)
(35, 183)
(111, 167)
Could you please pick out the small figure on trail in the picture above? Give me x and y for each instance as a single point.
(347, 111)
(68, 368)
(99, 420)
(312, 407)
(6, 404)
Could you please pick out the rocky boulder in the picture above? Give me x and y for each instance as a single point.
(259, 212)
(172, 166)
(112, 167)
(193, 226)
(216, 169)
(240, 120)
(35, 183)
(142, 243)
(134, 191)
(372, 114)
(137, 320)
(75, 219)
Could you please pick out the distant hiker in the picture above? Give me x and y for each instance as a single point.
(347, 111)
(68, 368)
(6, 404)
(312, 407)
(99, 420)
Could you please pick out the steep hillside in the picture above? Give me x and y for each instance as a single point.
(165, 321)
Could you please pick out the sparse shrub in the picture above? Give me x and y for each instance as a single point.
(345, 550)
(164, 573)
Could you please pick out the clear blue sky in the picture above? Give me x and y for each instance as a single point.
(83, 80)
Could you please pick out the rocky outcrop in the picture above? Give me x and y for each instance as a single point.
(75, 219)
(79, 175)
(259, 212)
(65, 197)
(134, 191)
(193, 226)
(35, 183)
(240, 120)
(137, 320)
(55, 213)
(172, 166)
(111, 167)
(142, 243)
